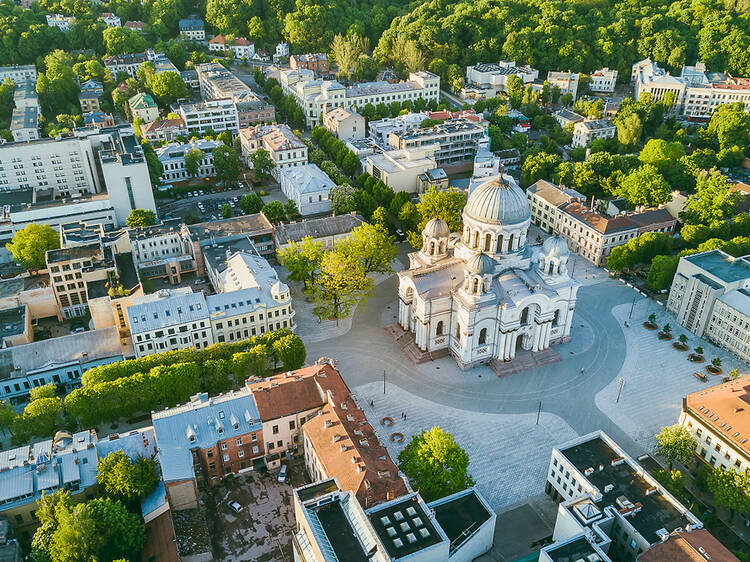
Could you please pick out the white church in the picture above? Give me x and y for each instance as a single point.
(484, 294)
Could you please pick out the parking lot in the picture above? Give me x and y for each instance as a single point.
(261, 531)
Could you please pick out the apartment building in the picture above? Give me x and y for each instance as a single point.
(160, 252)
(110, 19)
(400, 169)
(344, 123)
(168, 320)
(192, 29)
(331, 524)
(589, 129)
(603, 81)
(545, 200)
(284, 147)
(98, 119)
(710, 297)
(216, 82)
(328, 231)
(607, 498)
(127, 63)
(486, 80)
(566, 81)
(60, 360)
(61, 22)
(166, 130)
(250, 299)
(452, 142)
(317, 62)
(89, 101)
(565, 117)
(282, 51)
(24, 124)
(215, 114)
(25, 96)
(308, 186)
(382, 129)
(240, 47)
(142, 106)
(172, 158)
(208, 436)
(19, 73)
(317, 96)
(135, 25)
(340, 443)
(593, 235)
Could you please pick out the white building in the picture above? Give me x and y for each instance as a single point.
(486, 80)
(308, 186)
(603, 81)
(24, 124)
(399, 169)
(172, 158)
(240, 47)
(454, 141)
(482, 297)
(216, 82)
(216, 114)
(589, 129)
(110, 19)
(192, 29)
(168, 320)
(710, 296)
(649, 78)
(565, 117)
(545, 200)
(316, 96)
(605, 497)
(344, 123)
(63, 23)
(282, 51)
(161, 251)
(382, 129)
(566, 81)
(128, 63)
(284, 147)
(19, 73)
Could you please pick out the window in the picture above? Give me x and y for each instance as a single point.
(291, 424)
(276, 430)
(241, 454)
(269, 445)
(483, 336)
(226, 458)
(223, 446)
(279, 443)
(210, 454)
(439, 330)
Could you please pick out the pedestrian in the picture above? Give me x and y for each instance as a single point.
(582, 369)
(372, 404)
(404, 416)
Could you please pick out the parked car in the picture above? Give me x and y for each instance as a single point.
(234, 506)
(282, 474)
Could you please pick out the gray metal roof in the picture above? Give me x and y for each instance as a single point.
(165, 308)
(24, 118)
(307, 179)
(317, 228)
(722, 265)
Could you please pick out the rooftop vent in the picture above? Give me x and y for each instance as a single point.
(608, 488)
(588, 471)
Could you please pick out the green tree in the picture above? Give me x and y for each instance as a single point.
(435, 464)
(731, 125)
(29, 246)
(45, 391)
(291, 351)
(8, 415)
(661, 154)
(662, 271)
(372, 247)
(712, 201)
(381, 218)
(227, 164)
(262, 163)
(339, 286)
(193, 158)
(167, 87)
(251, 203)
(676, 444)
(645, 186)
(351, 163)
(122, 477)
(408, 216)
(274, 211)
(443, 204)
(120, 40)
(40, 418)
(629, 129)
(119, 534)
(226, 211)
(343, 199)
(301, 259)
(139, 218)
(539, 166)
(730, 489)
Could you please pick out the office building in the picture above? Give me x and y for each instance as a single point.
(192, 28)
(217, 115)
(589, 129)
(172, 158)
(168, 320)
(285, 149)
(216, 82)
(381, 129)
(603, 81)
(317, 96)
(487, 80)
(160, 252)
(24, 124)
(710, 296)
(344, 123)
(606, 497)
(308, 186)
(452, 142)
(19, 73)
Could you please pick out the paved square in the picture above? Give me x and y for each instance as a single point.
(656, 375)
(509, 453)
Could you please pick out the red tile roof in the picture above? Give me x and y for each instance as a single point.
(219, 39)
(290, 393)
(685, 548)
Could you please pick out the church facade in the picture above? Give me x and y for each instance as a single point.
(485, 293)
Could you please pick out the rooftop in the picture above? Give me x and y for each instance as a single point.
(552, 194)
(166, 308)
(291, 393)
(90, 250)
(307, 179)
(141, 101)
(568, 115)
(238, 227)
(25, 91)
(595, 124)
(738, 299)
(607, 225)
(404, 527)
(12, 322)
(576, 549)
(697, 545)
(317, 228)
(446, 128)
(24, 118)
(721, 265)
(507, 68)
(625, 488)
(460, 515)
(338, 530)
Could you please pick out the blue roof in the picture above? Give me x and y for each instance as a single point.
(136, 443)
(187, 24)
(201, 423)
(163, 309)
(153, 501)
(722, 265)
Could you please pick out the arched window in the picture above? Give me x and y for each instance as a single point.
(487, 242)
(510, 243)
(475, 286)
(500, 244)
(556, 320)
(483, 336)
(439, 330)
(467, 235)
(476, 239)
(525, 316)
(432, 248)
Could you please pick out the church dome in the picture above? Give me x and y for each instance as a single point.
(436, 228)
(480, 264)
(497, 201)
(555, 246)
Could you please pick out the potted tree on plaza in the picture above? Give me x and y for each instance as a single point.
(714, 367)
(666, 332)
(697, 356)
(681, 343)
(650, 324)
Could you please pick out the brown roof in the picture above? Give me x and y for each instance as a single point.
(606, 225)
(726, 409)
(162, 124)
(290, 393)
(651, 216)
(686, 547)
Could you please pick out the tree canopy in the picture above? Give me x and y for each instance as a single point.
(29, 246)
(139, 218)
(122, 477)
(676, 444)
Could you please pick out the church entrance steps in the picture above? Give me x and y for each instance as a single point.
(405, 342)
(524, 361)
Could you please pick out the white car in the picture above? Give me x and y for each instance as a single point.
(282, 474)
(234, 506)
